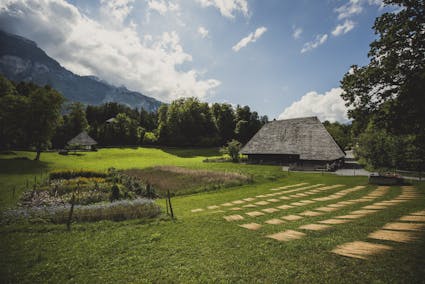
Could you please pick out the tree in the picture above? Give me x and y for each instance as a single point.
(44, 113)
(389, 90)
(340, 132)
(70, 125)
(247, 123)
(29, 114)
(224, 119)
(232, 149)
(186, 122)
(77, 121)
(12, 114)
(242, 131)
(148, 120)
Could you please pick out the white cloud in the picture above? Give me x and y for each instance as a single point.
(297, 32)
(227, 7)
(344, 28)
(351, 8)
(162, 6)
(252, 37)
(355, 7)
(329, 106)
(119, 55)
(203, 32)
(318, 40)
(116, 10)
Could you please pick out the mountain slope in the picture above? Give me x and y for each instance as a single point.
(22, 60)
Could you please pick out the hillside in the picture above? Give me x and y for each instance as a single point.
(22, 60)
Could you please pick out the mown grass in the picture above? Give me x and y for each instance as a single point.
(203, 247)
(16, 170)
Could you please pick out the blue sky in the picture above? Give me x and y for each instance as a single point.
(290, 63)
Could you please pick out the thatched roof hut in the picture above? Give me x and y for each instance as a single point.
(293, 140)
(82, 139)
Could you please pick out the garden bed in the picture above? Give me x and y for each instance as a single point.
(95, 195)
(182, 181)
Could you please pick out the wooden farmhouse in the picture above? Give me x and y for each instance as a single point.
(302, 143)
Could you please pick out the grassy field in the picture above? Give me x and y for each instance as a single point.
(17, 169)
(202, 246)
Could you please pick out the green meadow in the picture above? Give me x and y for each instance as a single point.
(202, 246)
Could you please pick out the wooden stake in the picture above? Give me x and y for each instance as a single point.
(169, 202)
(71, 211)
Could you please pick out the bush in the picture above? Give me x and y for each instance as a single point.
(70, 174)
(149, 138)
(232, 149)
(115, 193)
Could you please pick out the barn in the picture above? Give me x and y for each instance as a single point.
(302, 143)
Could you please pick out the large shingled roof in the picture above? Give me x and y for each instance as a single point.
(306, 137)
(82, 139)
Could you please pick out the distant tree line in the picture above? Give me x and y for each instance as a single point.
(33, 116)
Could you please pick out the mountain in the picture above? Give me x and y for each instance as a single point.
(22, 60)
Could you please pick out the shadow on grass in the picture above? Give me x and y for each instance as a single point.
(192, 152)
(75, 154)
(21, 165)
(44, 226)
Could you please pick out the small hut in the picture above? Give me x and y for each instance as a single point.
(82, 141)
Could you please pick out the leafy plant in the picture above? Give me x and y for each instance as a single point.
(232, 149)
(115, 193)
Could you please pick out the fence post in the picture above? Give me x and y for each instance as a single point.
(68, 223)
(169, 203)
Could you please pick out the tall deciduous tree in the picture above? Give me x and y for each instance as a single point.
(77, 119)
(12, 114)
(390, 89)
(43, 117)
(224, 118)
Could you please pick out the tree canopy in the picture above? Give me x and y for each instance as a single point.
(29, 114)
(388, 93)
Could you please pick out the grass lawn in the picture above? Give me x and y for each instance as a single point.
(202, 246)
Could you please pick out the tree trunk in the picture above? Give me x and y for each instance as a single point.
(37, 157)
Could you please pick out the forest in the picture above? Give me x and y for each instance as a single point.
(26, 121)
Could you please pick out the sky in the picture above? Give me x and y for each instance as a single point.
(283, 58)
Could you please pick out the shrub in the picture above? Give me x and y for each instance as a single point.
(149, 138)
(232, 149)
(115, 193)
(70, 174)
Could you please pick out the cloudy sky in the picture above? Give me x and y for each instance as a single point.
(282, 58)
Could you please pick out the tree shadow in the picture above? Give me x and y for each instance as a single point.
(21, 165)
(75, 154)
(192, 152)
(352, 165)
